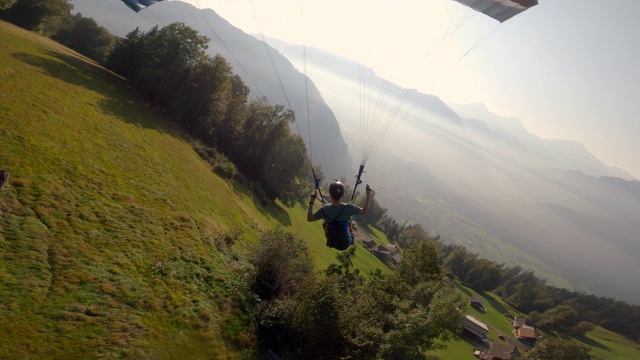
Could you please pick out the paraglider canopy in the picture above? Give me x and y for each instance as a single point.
(501, 10)
(138, 5)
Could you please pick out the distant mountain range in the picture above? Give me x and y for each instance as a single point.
(471, 176)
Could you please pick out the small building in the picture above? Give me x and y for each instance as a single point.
(477, 302)
(500, 351)
(518, 322)
(525, 332)
(369, 243)
(475, 326)
(387, 253)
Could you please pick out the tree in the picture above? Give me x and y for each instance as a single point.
(420, 262)
(42, 16)
(484, 275)
(410, 234)
(5, 4)
(374, 214)
(86, 37)
(159, 61)
(343, 315)
(271, 154)
(582, 328)
(561, 319)
(558, 349)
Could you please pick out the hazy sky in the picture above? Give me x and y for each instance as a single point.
(568, 69)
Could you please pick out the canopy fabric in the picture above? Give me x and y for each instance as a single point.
(501, 10)
(137, 5)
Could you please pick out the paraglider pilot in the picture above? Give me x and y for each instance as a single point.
(337, 216)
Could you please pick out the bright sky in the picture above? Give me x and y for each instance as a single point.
(568, 69)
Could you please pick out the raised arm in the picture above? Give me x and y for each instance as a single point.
(365, 206)
(310, 216)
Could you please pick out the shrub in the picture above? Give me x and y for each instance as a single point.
(282, 262)
(224, 167)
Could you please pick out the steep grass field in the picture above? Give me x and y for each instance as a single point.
(110, 224)
(114, 234)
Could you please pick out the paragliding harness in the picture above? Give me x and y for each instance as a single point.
(339, 234)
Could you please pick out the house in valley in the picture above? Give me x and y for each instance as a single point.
(526, 333)
(500, 351)
(475, 327)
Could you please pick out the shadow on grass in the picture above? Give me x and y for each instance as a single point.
(495, 304)
(464, 290)
(367, 229)
(272, 210)
(277, 212)
(128, 106)
(593, 343)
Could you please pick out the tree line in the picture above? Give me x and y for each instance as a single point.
(198, 92)
(549, 307)
(201, 93)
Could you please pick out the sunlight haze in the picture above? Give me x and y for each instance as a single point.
(566, 69)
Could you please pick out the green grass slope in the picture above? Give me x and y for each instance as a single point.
(608, 345)
(110, 223)
(114, 234)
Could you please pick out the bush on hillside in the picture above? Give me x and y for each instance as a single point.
(220, 164)
(282, 262)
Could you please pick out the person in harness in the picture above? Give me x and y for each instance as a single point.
(337, 216)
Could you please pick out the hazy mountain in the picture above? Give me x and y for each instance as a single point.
(484, 181)
(561, 154)
(262, 68)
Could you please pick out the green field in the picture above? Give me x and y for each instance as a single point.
(608, 345)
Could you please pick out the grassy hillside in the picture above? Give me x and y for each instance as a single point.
(114, 234)
(110, 223)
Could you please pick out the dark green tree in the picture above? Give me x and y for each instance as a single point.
(561, 319)
(201, 102)
(43, 16)
(558, 349)
(5, 4)
(420, 262)
(374, 214)
(484, 275)
(85, 36)
(410, 234)
(159, 61)
(271, 154)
